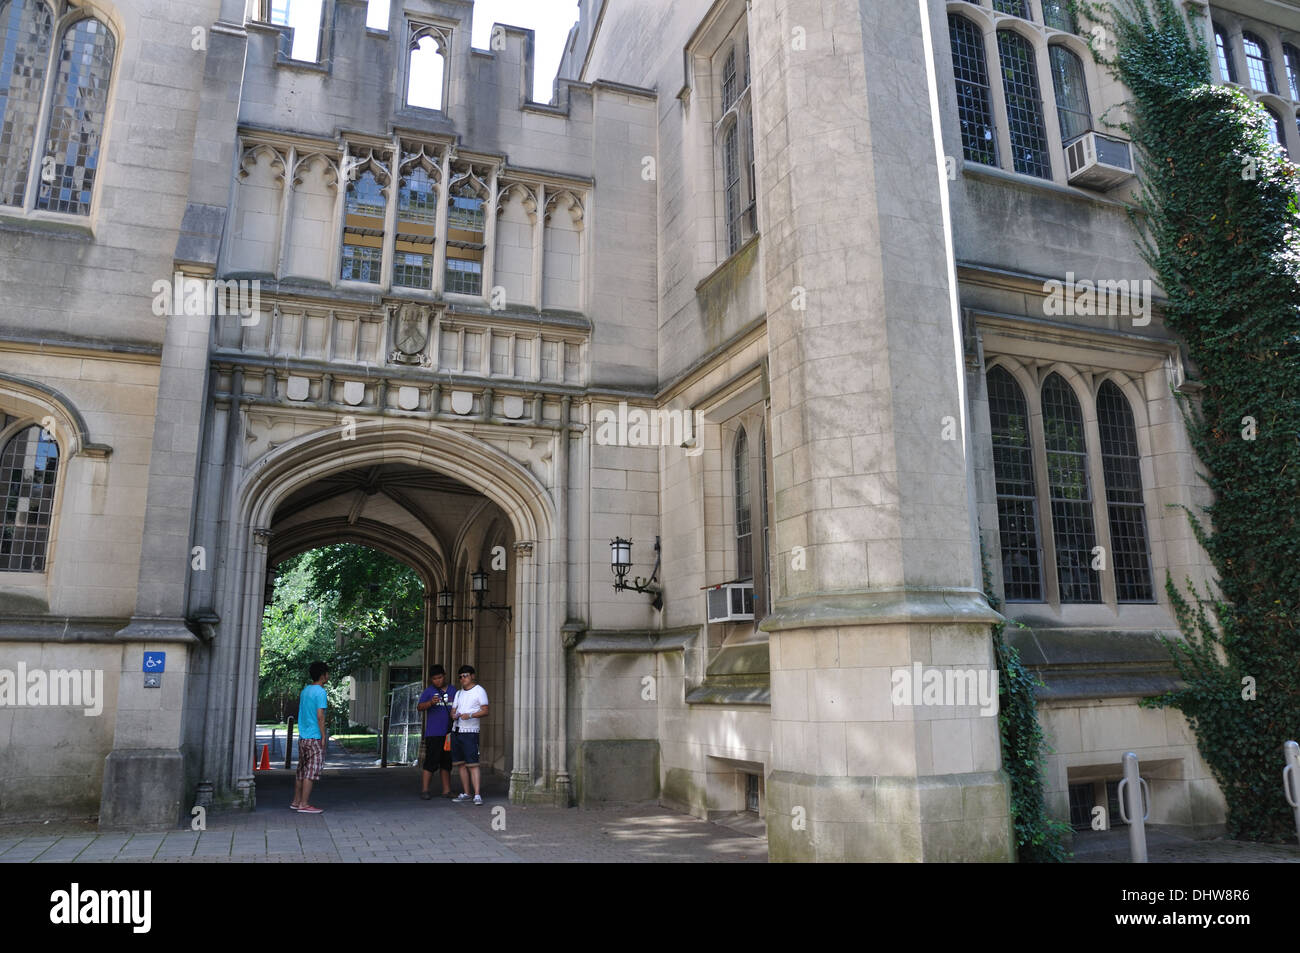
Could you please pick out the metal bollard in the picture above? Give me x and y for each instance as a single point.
(1291, 780)
(1132, 810)
(288, 741)
(383, 745)
(272, 742)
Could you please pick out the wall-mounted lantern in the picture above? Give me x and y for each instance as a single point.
(620, 563)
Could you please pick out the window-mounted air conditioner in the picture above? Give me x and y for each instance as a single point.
(1095, 161)
(731, 602)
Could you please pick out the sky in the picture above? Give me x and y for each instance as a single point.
(551, 19)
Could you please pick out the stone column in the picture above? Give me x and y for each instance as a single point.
(876, 553)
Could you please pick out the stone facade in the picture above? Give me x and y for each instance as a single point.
(766, 288)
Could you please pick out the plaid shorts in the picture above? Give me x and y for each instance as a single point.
(311, 755)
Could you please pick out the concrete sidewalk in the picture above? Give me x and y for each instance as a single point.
(375, 816)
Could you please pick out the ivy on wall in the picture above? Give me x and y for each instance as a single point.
(1217, 220)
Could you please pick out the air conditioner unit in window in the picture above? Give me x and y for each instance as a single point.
(731, 602)
(1095, 161)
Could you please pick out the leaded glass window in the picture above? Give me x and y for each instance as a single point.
(1121, 464)
(1071, 83)
(1291, 57)
(1057, 15)
(1024, 105)
(417, 214)
(729, 80)
(465, 242)
(767, 523)
(363, 229)
(744, 529)
(1070, 493)
(1013, 470)
(29, 467)
(731, 185)
(26, 28)
(1259, 65)
(1227, 63)
(1275, 133)
(1019, 8)
(974, 97)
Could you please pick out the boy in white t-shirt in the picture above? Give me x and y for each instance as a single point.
(468, 708)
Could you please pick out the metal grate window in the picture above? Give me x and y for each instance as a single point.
(1227, 65)
(974, 97)
(1123, 473)
(1058, 15)
(1071, 84)
(1259, 65)
(26, 28)
(1069, 492)
(28, 471)
(77, 117)
(744, 530)
(1024, 105)
(1018, 8)
(1013, 470)
(363, 230)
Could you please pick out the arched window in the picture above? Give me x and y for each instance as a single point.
(1058, 15)
(363, 229)
(1024, 105)
(26, 28)
(73, 128)
(974, 97)
(1126, 513)
(1069, 492)
(1276, 134)
(1013, 471)
(744, 529)
(1291, 57)
(417, 215)
(427, 68)
(1259, 65)
(29, 466)
(1227, 64)
(1018, 8)
(1071, 84)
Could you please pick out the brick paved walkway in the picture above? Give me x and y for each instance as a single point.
(374, 816)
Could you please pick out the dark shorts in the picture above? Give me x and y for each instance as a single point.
(464, 747)
(311, 755)
(435, 759)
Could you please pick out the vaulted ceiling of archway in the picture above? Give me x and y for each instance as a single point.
(423, 503)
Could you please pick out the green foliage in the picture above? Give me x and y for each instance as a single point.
(1217, 222)
(1040, 838)
(346, 605)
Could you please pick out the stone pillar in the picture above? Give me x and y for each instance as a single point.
(876, 564)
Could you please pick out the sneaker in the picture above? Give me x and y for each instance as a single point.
(426, 796)
(293, 807)
(460, 799)
(310, 810)
(478, 799)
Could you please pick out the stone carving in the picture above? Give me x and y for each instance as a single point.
(410, 329)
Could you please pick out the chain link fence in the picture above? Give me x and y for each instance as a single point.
(405, 725)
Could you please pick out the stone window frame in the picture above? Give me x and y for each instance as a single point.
(1276, 40)
(9, 429)
(1085, 382)
(733, 127)
(67, 15)
(754, 421)
(443, 33)
(1041, 38)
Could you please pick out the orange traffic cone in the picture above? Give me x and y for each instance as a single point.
(266, 759)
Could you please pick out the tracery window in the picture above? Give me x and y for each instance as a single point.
(1013, 465)
(466, 224)
(363, 227)
(426, 78)
(29, 467)
(974, 96)
(417, 218)
(1069, 493)
(80, 65)
(1121, 464)
(1024, 105)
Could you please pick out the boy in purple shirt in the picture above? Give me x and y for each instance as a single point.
(436, 700)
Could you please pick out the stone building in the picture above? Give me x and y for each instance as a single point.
(826, 307)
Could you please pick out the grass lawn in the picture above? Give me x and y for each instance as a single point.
(359, 744)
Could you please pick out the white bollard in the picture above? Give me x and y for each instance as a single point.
(1291, 781)
(1132, 810)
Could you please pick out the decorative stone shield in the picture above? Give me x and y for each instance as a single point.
(513, 407)
(462, 402)
(410, 332)
(408, 398)
(298, 388)
(354, 392)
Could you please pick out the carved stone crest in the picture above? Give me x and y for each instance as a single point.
(410, 332)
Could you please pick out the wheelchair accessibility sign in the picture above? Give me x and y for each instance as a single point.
(154, 665)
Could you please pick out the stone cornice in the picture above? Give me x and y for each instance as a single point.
(881, 607)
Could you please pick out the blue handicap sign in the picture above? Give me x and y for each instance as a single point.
(155, 662)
